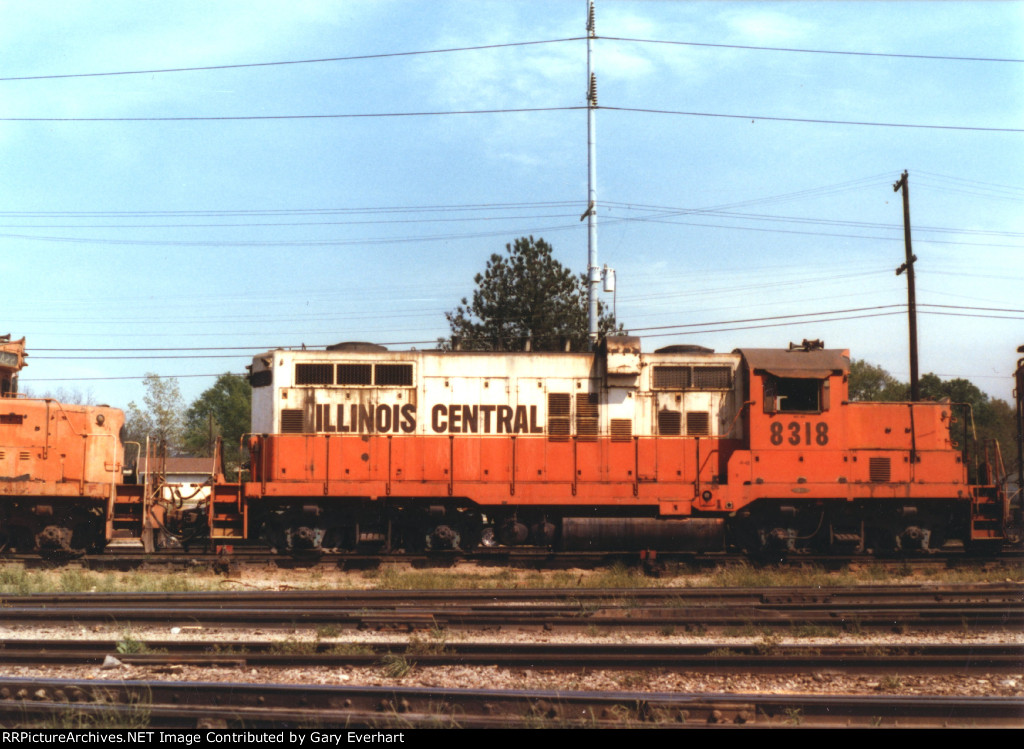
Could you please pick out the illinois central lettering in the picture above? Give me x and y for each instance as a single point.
(382, 418)
(365, 418)
(484, 419)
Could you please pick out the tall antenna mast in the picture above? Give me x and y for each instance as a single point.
(593, 272)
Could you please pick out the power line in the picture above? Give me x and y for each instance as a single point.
(301, 211)
(288, 62)
(775, 325)
(440, 113)
(386, 55)
(228, 118)
(292, 243)
(444, 113)
(875, 311)
(814, 51)
(30, 381)
(774, 317)
(813, 121)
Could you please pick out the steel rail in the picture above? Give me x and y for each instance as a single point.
(518, 558)
(874, 595)
(758, 658)
(634, 609)
(180, 704)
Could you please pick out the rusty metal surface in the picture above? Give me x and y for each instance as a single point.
(969, 658)
(177, 704)
(819, 363)
(568, 610)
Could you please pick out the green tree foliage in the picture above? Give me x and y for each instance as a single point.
(525, 295)
(223, 410)
(871, 383)
(161, 419)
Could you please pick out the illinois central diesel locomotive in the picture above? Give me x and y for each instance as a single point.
(359, 448)
(679, 449)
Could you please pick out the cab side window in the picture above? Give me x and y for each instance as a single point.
(795, 394)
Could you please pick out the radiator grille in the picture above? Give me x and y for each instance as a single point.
(671, 378)
(670, 423)
(355, 374)
(880, 469)
(586, 416)
(698, 423)
(394, 375)
(314, 374)
(712, 378)
(622, 430)
(291, 421)
(558, 416)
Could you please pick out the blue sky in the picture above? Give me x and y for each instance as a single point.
(749, 194)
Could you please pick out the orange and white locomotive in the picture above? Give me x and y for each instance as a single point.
(359, 448)
(682, 448)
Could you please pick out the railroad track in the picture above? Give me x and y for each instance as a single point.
(762, 658)
(516, 558)
(658, 609)
(157, 704)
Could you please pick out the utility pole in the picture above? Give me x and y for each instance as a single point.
(593, 272)
(908, 266)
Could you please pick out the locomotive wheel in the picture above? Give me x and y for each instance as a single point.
(487, 538)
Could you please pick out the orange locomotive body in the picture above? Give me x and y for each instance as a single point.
(60, 466)
(682, 448)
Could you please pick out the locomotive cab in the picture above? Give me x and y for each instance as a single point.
(826, 474)
(60, 467)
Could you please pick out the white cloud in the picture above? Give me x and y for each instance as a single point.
(754, 26)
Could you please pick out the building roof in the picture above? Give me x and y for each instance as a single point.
(178, 466)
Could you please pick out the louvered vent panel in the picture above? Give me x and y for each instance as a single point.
(880, 469)
(314, 374)
(558, 416)
(24, 455)
(393, 375)
(355, 374)
(670, 423)
(622, 430)
(698, 423)
(12, 418)
(586, 416)
(291, 421)
(671, 378)
(712, 378)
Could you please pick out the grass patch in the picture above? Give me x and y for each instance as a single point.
(804, 631)
(396, 666)
(103, 712)
(348, 648)
(890, 683)
(16, 580)
(434, 643)
(768, 645)
(129, 644)
(295, 647)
